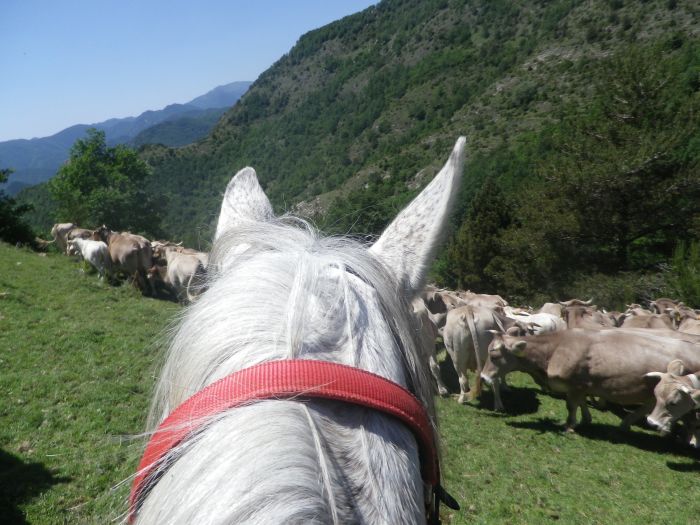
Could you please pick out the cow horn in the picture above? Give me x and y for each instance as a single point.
(589, 302)
(657, 376)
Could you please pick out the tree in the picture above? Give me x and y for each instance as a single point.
(476, 242)
(620, 186)
(106, 185)
(12, 228)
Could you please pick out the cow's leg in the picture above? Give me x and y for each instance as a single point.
(497, 402)
(585, 413)
(476, 391)
(435, 369)
(637, 415)
(463, 387)
(573, 402)
(460, 364)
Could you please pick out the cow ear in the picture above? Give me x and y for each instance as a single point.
(409, 243)
(244, 201)
(652, 378)
(676, 367)
(518, 349)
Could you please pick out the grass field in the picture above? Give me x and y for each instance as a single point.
(77, 360)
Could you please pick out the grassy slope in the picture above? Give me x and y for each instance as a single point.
(77, 361)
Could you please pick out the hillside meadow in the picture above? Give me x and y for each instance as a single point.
(78, 360)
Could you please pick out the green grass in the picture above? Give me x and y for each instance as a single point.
(77, 360)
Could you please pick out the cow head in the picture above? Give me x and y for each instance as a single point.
(676, 395)
(503, 355)
(71, 249)
(102, 234)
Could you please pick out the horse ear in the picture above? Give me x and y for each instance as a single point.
(408, 245)
(244, 201)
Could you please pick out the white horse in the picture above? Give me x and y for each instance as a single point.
(279, 291)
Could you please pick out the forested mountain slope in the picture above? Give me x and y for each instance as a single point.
(377, 96)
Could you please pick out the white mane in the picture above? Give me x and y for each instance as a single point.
(278, 290)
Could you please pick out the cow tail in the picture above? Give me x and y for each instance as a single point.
(477, 351)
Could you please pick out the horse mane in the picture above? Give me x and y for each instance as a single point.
(277, 289)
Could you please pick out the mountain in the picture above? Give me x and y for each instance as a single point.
(38, 159)
(221, 96)
(185, 129)
(367, 108)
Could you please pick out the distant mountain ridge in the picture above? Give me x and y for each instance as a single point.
(37, 160)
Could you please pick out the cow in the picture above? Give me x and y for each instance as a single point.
(467, 334)
(609, 364)
(659, 306)
(59, 232)
(439, 302)
(657, 321)
(183, 272)
(677, 397)
(96, 253)
(637, 309)
(427, 333)
(157, 275)
(131, 254)
(551, 308)
(76, 233)
(538, 323)
(160, 248)
(689, 326)
(580, 316)
(482, 299)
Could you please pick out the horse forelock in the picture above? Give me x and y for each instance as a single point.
(278, 290)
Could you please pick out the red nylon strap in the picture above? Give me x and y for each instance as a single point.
(287, 379)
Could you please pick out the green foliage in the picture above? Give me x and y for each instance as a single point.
(13, 228)
(615, 185)
(106, 185)
(685, 273)
(43, 210)
(466, 261)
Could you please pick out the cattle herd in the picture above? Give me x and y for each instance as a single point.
(646, 360)
(159, 268)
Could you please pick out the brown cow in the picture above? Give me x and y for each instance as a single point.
(609, 364)
(657, 321)
(659, 306)
(677, 397)
(482, 299)
(59, 232)
(579, 316)
(130, 253)
(427, 333)
(467, 334)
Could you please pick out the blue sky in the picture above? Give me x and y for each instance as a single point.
(80, 62)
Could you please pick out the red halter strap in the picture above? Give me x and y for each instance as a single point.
(287, 379)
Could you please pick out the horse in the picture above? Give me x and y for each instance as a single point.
(279, 294)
